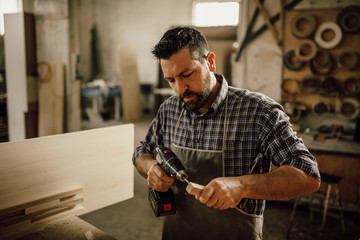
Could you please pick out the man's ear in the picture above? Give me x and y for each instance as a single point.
(210, 59)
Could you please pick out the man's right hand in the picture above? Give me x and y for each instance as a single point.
(157, 179)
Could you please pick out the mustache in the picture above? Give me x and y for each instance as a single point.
(188, 93)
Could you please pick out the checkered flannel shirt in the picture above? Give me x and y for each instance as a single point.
(258, 133)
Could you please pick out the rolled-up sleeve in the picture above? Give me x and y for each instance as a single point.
(152, 138)
(281, 144)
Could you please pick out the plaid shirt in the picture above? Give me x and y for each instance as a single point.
(258, 133)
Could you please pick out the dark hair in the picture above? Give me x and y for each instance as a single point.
(176, 39)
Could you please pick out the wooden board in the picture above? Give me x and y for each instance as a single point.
(96, 161)
(51, 98)
(130, 88)
(74, 119)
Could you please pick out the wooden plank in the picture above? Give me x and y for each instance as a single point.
(53, 204)
(42, 206)
(54, 213)
(20, 231)
(56, 194)
(74, 119)
(130, 88)
(51, 98)
(98, 160)
(194, 188)
(267, 20)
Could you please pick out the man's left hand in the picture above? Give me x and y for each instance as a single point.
(221, 193)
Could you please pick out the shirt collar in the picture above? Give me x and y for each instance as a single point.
(222, 93)
(219, 98)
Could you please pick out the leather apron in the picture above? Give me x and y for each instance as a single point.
(195, 220)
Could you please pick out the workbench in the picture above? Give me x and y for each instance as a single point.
(340, 158)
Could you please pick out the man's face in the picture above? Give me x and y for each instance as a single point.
(190, 79)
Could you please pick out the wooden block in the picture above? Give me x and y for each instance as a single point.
(194, 188)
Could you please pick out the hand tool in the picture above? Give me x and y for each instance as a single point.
(163, 203)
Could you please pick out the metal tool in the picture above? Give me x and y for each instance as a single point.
(163, 203)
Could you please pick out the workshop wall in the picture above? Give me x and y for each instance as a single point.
(136, 22)
(263, 52)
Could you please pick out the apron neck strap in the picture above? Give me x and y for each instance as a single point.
(177, 123)
(224, 135)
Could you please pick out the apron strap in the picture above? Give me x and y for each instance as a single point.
(224, 136)
(177, 124)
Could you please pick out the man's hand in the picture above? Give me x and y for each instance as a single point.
(284, 183)
(221, 193)
(157, 179)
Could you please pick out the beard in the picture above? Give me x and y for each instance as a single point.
(201, 98)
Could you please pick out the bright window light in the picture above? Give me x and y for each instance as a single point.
(7, 6)
(206, 14)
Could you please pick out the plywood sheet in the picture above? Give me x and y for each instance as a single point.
(51, 98)
(130, 88)
(98, 160)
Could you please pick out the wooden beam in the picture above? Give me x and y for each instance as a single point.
(282, 17)
(267, 20)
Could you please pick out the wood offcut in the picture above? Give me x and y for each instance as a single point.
(194, 188)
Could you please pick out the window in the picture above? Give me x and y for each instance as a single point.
(8, 6)
(206, 14)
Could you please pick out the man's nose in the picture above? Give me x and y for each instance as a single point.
(182, 86)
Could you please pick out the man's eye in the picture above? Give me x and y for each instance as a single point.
(187, 75)
(171, 80)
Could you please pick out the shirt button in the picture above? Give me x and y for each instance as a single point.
(196, 140)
